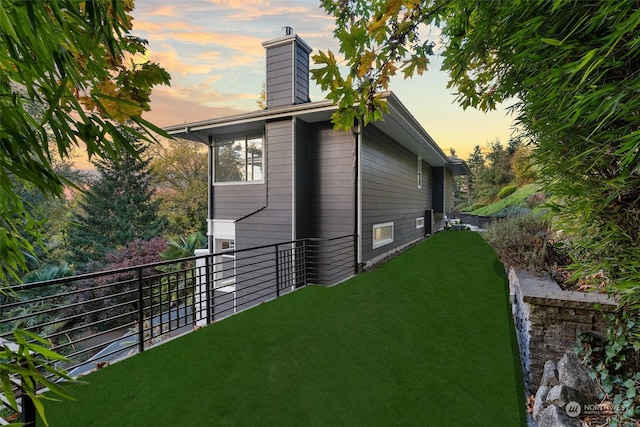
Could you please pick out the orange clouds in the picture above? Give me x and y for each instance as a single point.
(213, 50)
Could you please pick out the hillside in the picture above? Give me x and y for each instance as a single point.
(519, 198)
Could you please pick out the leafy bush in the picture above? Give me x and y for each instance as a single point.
(90, 305)
(29, 357)
(512, 211)
(507, 191)
(183, 248)
(521, 241)
(616, 362)
(49, 272)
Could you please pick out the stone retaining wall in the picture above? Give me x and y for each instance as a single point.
(479, 221)
(549, 319)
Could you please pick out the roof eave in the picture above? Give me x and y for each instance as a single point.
(254, 116)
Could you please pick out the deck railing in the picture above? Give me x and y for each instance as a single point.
(95, 319)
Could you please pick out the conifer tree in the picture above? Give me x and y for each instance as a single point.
(117, 209)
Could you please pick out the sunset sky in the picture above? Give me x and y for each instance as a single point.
(213, 51)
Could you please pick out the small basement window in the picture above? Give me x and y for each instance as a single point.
(382, 234)
(420, 222)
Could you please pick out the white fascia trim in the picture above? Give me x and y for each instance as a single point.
(255, 116)
(222, 229)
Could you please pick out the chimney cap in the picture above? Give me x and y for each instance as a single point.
(291, 38)
(288, 30)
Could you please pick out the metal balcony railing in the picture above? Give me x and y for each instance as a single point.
(98, 318)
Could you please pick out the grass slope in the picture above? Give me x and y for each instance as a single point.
(517, 198)
(425, 340)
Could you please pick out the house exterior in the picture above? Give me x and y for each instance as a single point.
(283, 173)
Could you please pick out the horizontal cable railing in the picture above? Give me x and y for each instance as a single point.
(330, 260)
(95, 319)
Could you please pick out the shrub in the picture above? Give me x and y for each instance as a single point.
(507, 191)
(521, 241)
(616, 361)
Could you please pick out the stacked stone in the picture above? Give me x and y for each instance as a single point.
(548, 320)
(566, 387)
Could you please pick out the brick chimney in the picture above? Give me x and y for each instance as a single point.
(287, 70)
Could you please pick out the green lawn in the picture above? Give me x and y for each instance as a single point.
(424, 340)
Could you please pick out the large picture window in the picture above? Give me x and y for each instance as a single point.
(239, 159)
(382, 234)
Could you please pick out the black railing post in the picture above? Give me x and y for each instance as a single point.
(28, 415)
(277, 273)
(209, 293)
(141, 312)
(305, 251)
(355, 254)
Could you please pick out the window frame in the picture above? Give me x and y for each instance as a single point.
(234, 139)
(382, 242)
(419, 172)
(225, 254)
(419, 222)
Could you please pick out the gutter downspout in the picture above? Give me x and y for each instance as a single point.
(293, 178)
(358, 192)
(444, 190)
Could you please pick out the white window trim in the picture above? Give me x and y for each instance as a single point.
(227, 284)
(419, 172)
(246, 136)
(420, 222)
(383, 242)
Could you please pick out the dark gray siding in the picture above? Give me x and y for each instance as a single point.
(325, 199)
(437, 174)
(255, 270)
(427, 186)
(287, 73)
(449, 201)
(332, 184)
(234, 201)
(325, 180)
(274, 223)
(301, 75)
(279, 75)
(390, 191)
(304, 172)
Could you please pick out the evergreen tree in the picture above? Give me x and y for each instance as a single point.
(476, 166)
(77, 71)
(499, 171)
(117, 209)
(476, 160)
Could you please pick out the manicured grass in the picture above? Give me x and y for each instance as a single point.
(424, 340)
